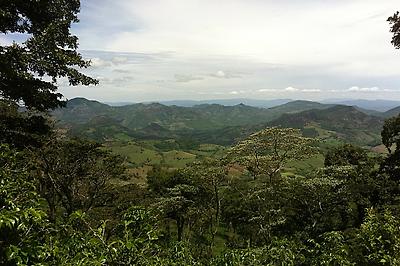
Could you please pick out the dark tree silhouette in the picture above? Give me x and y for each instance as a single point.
(395, 29)
(29, 70)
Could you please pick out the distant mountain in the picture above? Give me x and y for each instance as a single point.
(228, 102)
(119, 103)
(377, 105)
(198, 117)
(212, 123)
(299, 106)
(81, 110)
(135, 116)
(343, 122)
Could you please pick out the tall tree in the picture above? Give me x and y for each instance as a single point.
(29, 70)
(264, 153)
(41, 52)
(75, 173)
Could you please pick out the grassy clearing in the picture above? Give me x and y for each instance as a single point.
(305, 167)
(135, 153)
(209, 150)
(177, 159)
(140, 156)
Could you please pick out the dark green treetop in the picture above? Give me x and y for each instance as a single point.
(395, 29)
(29, 70)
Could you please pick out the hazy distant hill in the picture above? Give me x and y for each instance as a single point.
(377, 105)
(229, 102)
(369, 106)
(299, 106)
(392, 112)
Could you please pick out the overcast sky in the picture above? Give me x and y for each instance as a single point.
(144, 50)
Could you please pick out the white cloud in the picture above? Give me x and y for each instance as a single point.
(220, 74)
(225, 74)
(97, 62)
(237, 92)
(311, 90)
(267, 90)
(358, 89)
(291, 89)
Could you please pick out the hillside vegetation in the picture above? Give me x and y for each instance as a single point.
(213, 123)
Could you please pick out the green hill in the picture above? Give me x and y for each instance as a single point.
(204, 116)
(213, 123)
(343, 122)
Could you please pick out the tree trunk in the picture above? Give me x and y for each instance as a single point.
(52, 210)
(180, 223)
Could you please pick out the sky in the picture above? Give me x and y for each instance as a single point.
(150, 50)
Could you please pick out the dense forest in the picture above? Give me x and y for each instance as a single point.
(85, 183)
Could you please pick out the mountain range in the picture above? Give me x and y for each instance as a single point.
(220, 124)
(372, 105)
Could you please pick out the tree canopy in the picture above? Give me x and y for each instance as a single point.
(29, 70)
(395, 29)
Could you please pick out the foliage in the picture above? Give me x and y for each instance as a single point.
(391, 140)
(279, 252)
(223, 125)
(48, 52)
(30, 70)
(395, 29)
(22, 222)
(21, 129)
(75, 174)
(347, 154)
(266, 152)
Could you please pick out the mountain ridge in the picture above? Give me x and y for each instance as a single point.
(214, 122)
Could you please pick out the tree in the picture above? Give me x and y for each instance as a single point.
(22, 129)
(394, 21)
(266, 152)
(391, 134)
(49, 51)
(75, 174)
(391, 139)
(30, 69)
(210, 176)
(22, 222)
(347, 154)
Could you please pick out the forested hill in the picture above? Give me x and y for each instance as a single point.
(204, 116)
(343, 121)
(135, 116)
(215, 123)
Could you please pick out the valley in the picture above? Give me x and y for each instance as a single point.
(173, 136)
